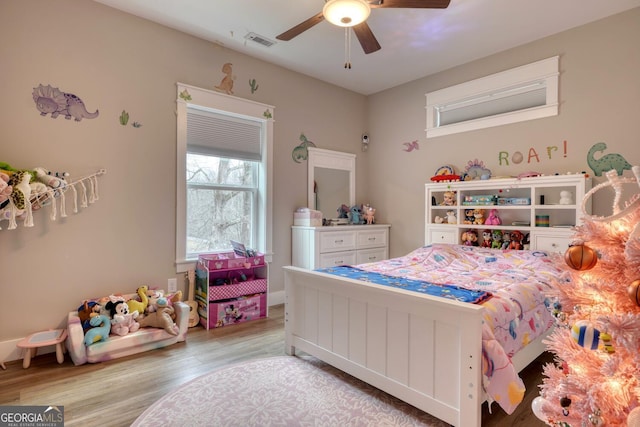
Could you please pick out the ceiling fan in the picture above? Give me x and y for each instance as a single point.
(353, 13)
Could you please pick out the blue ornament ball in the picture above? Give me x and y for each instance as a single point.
(585, 335)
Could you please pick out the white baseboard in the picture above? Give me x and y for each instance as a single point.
(276, 298)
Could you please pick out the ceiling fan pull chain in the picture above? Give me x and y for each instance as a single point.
(347, 48)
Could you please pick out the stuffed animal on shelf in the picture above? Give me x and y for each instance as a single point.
(496, 239)
(101, 326)
(506, 239)
(449, 198)
(369, 214)
(355, 215)
(438, 219)
(566, 198)
(343, 211)
(516, 240)
(478, 216)
(493, 218)
(486, 239)
(5, 189)
(470, 238)
(468, 216)
(122, 321)
(161, 318)
(451, 217)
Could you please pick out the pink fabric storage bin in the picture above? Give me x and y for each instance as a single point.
(239, 310)
(236, 290)
(229, 260)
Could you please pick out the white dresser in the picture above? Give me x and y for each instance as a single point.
(318, 247)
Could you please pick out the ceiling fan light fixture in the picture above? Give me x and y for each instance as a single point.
(346, 13)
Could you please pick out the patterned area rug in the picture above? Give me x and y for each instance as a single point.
(281, 391)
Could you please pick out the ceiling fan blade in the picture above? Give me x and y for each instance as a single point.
(301, 27)
(413, 4)
(366, 38)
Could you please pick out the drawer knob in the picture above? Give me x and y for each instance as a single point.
(338, 241)
(339, 262)
(372, 238)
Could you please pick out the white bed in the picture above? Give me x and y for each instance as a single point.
(422, 349)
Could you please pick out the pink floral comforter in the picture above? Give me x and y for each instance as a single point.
(513, 317)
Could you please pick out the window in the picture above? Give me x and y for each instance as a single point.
(224, 154)
(523, 93)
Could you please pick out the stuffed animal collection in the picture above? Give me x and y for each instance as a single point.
(24, 190)
(114, 314)
(496, 239)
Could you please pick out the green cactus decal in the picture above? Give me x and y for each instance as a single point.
(253, 85)
(267, 114)
(124, 118)
(185, 95)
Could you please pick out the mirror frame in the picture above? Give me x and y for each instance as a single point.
(328, 159)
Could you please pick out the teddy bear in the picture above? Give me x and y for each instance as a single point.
(122, 321)
(154, 296)
(161, 318)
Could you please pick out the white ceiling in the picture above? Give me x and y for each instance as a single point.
(415, 42)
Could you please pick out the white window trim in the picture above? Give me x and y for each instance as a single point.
(234, 105)
(544, 73)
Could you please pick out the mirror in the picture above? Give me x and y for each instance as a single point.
(331, 180)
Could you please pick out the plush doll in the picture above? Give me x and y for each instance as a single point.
(506, 239)
(155, 295)
(122, 321)
(5, 189)
(161, 318)
(468, 216)
(470, 238)
(343, 211)
(449, 198)
(486, 239)
(369, 214)
(496, 239)
(493, 218)
(478, 216)
(86, 311)
(100, 330)
(516, 240)
(451, 217)
(355, 215)
(139, 306)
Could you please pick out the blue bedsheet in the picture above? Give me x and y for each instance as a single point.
(445, 291)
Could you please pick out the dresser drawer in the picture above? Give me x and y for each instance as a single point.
(551, 243)
(332, 259)
(337, 241)
(372, 238)
(371, 255)
(443, 236)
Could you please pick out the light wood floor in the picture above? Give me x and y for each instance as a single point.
(114, 393)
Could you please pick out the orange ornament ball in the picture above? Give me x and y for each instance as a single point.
(581, 257)
(634, 291)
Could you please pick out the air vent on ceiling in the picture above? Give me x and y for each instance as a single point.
(259, 39)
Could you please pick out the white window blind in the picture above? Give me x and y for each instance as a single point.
(224, 135)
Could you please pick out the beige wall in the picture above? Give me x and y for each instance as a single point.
(115, 61)
(600, 101)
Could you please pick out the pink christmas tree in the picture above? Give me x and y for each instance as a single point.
(595, 377)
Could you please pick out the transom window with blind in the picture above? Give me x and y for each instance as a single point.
(224, 158)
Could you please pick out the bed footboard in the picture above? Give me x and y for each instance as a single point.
(423, 350)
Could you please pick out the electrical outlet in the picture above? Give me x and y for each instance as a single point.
(172, 285)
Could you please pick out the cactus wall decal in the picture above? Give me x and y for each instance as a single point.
(253, 85)
(124, 118)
